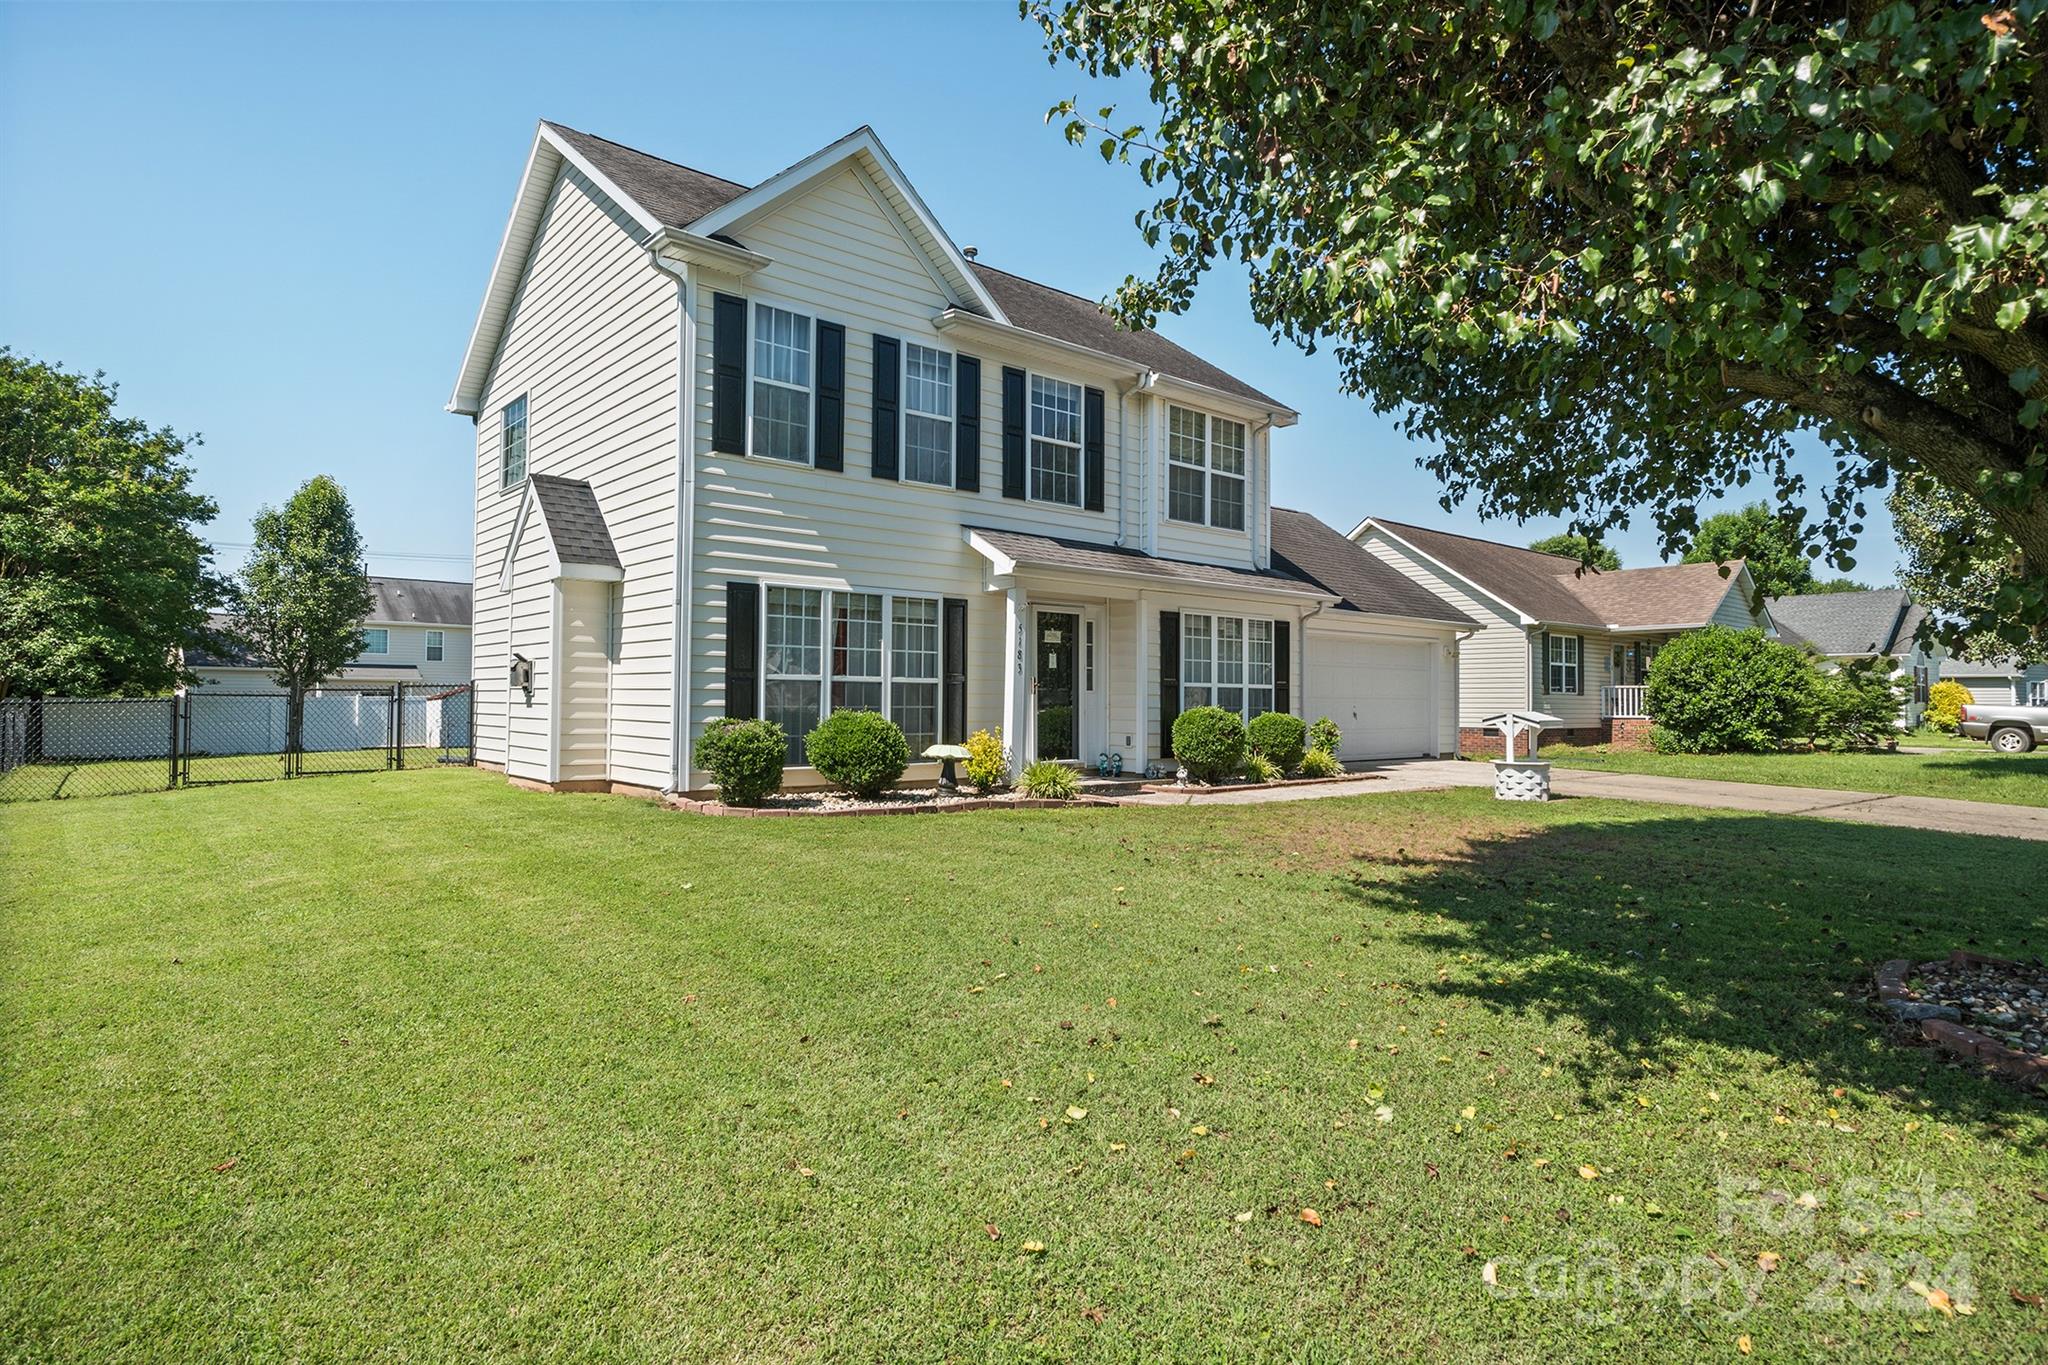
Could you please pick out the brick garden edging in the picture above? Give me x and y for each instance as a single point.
(1942, 1025)
(1196, 789)
(691, 805)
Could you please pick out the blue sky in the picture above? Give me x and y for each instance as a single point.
(272, 224)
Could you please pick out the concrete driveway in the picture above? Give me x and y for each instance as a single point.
(1869, 808)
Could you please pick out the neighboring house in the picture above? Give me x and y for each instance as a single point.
(1554, 638)
(1847, 627)
(776, 449)
(417, 631)
(2000, 682)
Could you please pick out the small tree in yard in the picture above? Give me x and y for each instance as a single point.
(1857, 706)
(1945, 703)
(304, 592)
(1720, 690)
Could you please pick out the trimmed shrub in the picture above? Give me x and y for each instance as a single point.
(1321, 763)
(1729, 691)
(1325, 735)
(1209, 742)
(1050, 781)
(861, 751)
(1259, 768)
(1857, 706)
(1945, 703)
(987, 766)
(1278, 737)
(744, 758)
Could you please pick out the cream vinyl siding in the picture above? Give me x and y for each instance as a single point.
(530, 625)
(835, 253)
(409, 646)
(1248, 548)
(1493, 665)
(591, 343)
(586, 628)
(1734, 611)
(1596, 664)
(1332, 626)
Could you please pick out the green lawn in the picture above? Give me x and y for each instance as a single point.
(1927, 737)
(414, 1065)
(1975, 774)
(60, 779)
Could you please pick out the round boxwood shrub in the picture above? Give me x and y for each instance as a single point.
(1945, 703)
(1209, 742)
(1325, 735)
(861, 751)
(744, 758)
(1720, 691)
(1278, 738)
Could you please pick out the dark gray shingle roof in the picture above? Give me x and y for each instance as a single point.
(1320, 554)
(675, 194)
(1058, 553)
(1849, 624)
(426, 601)
(574, 522)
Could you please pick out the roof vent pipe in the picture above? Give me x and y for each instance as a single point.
(970, 252)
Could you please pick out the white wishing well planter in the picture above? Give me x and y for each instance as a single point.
(1521, 779)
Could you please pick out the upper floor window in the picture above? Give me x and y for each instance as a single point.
(782, 384)
(377, 640)
(927, 414)
(1205, 469)
(1055, 441)
(437, 646)
(512, 446)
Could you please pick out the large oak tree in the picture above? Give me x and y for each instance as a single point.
(1611, 257)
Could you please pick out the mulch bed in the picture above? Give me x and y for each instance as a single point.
(1989, 1009)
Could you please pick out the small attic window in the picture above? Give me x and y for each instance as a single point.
(512, 462)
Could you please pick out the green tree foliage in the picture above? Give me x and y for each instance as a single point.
(1615, 257)
(1573, 546)
(1956, 562)
(1719, 691)
(1766, 541)
(102, 579)
(304, 591)
(1945, 703)
(1828, 585)
(1857, 705)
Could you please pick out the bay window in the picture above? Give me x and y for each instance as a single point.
(782, 384)
(1055, 441)
(1226, 661)
(927, 414)
(1205, 469)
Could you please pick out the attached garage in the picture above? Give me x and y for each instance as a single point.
(1385, 691)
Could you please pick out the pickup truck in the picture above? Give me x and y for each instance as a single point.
(2011, 729)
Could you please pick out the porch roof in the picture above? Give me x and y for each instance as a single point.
(1007, 551)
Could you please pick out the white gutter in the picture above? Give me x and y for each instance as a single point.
(686, 517)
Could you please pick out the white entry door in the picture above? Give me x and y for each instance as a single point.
(1381, 690)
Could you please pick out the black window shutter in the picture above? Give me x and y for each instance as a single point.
(888, 385)
(1543, 661)
(831, 400)
(1169, 678)
(1091, 449)
(967, 428)
(953, 690)
(728, 375)
(1283, 668)
(1013, 432)
(742, 648)
(1579, 669)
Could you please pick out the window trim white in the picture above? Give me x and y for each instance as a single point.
(1551, 665)
(525, 402)
(904, 412)
(370, 632)
(1209, 472)
(826, 595)
(754, 301)
(1079, 444)
(437, 639)
(824, 653)
(1271, 687)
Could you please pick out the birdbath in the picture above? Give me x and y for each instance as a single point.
(947, 755)
(1521, 779)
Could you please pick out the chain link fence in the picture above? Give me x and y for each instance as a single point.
(57, 747)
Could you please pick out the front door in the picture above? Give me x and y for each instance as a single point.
(1056, 685)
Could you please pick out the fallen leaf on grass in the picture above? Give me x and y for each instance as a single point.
(227, 1165)
(1938, 1299)
(2030, 1300)
(1093, 1314)
(1589, 1173)
(995, 1234)
(1489, 1274)
(1117, 1146)
(1384, 1114)
(1032, 1248)
(1244, 1217)
(1743, 1344)
(1076, 1113)
(1767, 1261)
(1312, 1218)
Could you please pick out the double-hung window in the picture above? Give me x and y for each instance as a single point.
(1205, 469)
(1226, 661)
(927, 414)
(437, 646)
(1563, 662)
(914, 669)
(793, 664)
(512, 443)
(782, 384)
(856, 651)
(376, 640)
(1055, 441)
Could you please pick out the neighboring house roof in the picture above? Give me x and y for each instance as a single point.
(222, 649)
(1556, 590)
(2004, 666)
(1849, 624)
(1005, 550)
(420, 601)
(1320, 554)
(569, 511)
(662, 195)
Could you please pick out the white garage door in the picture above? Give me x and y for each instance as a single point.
(1378, 689)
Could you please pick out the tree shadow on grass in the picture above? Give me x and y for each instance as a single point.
(1667, 935)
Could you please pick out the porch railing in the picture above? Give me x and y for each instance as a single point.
(1623, 702)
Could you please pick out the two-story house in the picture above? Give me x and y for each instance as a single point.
(776, 449)
(417, 631)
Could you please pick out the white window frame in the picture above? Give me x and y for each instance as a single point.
(948, 366)
(1032, 438)
(506, 483)
(754, 377)
(1213, 662)
(827, 598)
(1205, 462)
(1559, 669)
(381, 634)
(437, 646)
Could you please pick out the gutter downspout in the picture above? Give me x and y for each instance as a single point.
(686, 518)
(1301, 666)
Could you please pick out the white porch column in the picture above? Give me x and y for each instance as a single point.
(1016, 695)
(1141, 739)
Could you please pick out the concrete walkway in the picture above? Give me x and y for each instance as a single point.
(1870, 808)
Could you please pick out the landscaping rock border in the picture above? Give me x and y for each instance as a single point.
(694, 806)
(1198, 789)
(1942, 1025)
